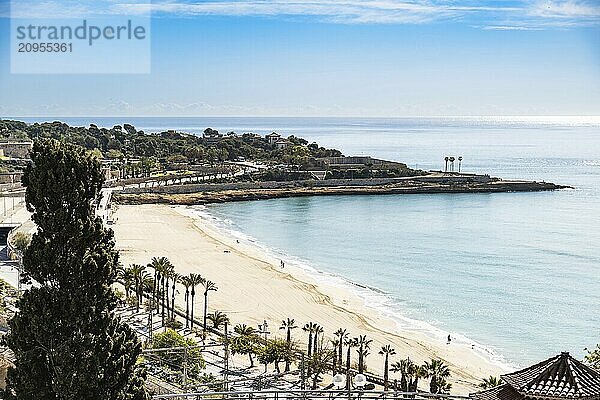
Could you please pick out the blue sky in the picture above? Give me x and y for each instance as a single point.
(331, 58)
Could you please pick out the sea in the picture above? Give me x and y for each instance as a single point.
(516, 275)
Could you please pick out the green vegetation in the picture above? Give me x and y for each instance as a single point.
(245, 342)
(368, 172)
(212, 382)
(319, 356)
(319, 363)
(593, 357)
(170, 147)
(410, 373)
(437, 372)
(386, 351)
(274, 352)
(364, 345)
(218, 319)
(175, 359)
(288, 325)
(7, 297)
(491, 382)
(67, 342)
(135, 278)
(20, 242)
(209, 286)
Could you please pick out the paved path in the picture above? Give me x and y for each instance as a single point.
(13, 211)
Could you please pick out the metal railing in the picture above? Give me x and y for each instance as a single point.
(311, 395)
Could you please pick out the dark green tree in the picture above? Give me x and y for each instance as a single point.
(67, 341)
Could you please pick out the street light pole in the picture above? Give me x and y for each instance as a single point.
(263, 329)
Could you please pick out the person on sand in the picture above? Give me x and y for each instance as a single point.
(282, 264)
(449, 339)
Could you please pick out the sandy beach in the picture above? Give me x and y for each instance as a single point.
(253, 288)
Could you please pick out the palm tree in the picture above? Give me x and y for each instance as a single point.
(364, 346)
(153, 265)
(138, 273)
(342, 335)
(195, 280)
(168, 274)
(317, 330)
(387, 351)
(446, 165)
(174, 279)
(452, 163)
(414, 372)
(419, 371)
(146, 283)
(405, 369)
(208, 286)
(459, 163)
(160, 266)
(490, 382)
(218, 318)
(350, 343)
(437, 371)
(288, 325)
(310, 328)
(185, 281)
(336, 345)
(126, 277)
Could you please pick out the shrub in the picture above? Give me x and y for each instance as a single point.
(174, 359)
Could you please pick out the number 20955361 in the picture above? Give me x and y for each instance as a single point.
(25, 47)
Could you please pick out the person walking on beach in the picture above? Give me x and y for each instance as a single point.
(449, 339)
(282, 264)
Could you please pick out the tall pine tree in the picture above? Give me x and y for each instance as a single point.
(68, 343)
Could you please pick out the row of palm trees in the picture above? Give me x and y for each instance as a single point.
(410, 372)
(451, 161)
(163, 288)
(136, 278)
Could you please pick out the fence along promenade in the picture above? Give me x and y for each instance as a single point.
(352, 394)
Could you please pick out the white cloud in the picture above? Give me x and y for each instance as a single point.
(508, 28)
(565, 9)
(520, 15)
(367, 11)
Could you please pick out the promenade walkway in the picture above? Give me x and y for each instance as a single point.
(12, 213)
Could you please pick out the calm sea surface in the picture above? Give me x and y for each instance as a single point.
(516, 273)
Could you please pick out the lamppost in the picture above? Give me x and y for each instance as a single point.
(263, 329)
(339, 381)
(360, 381)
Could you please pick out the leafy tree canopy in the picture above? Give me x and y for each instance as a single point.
(126, 141)
(175, 359)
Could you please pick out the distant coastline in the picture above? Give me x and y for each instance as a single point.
(197, 194)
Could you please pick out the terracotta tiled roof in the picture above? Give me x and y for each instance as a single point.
(502, 392)
(559, 377)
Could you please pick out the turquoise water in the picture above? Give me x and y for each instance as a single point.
(518, 273)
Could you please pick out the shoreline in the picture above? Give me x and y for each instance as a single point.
(201, 194)
(302, 270)
(195, 244)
